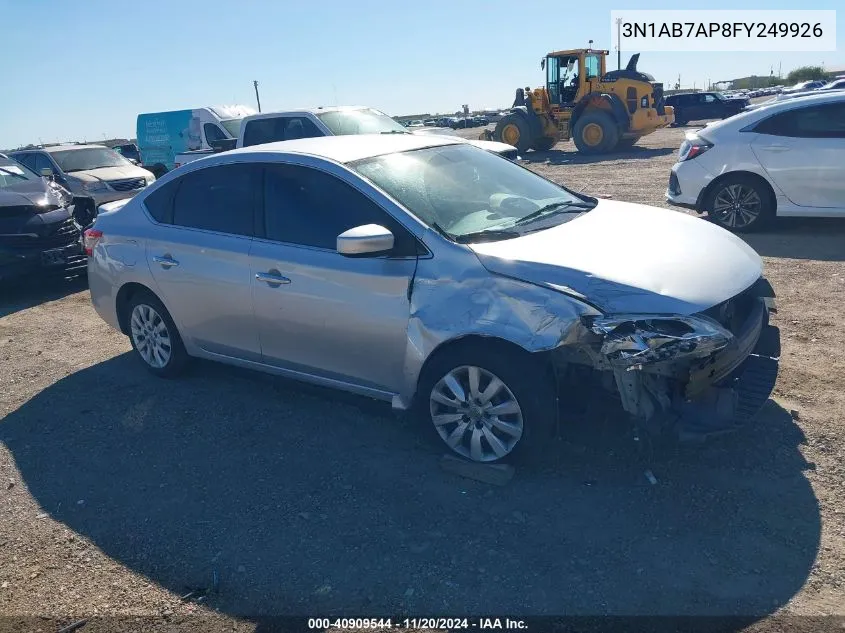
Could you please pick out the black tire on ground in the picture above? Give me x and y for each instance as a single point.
(525, 140)
(522, 373)
(757, 204)
(609, 129)
(626, 143)
(544, 143)
(178, 359)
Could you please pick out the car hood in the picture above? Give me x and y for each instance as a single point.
(110, 173)
(625, 258)
(31, 193)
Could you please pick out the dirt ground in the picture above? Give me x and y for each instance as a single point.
(120, 492)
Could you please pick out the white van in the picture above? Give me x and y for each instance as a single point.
(163, 135)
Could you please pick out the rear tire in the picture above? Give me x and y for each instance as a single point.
(740, 204)
(514, 130)
(595, 133)
(154, 336)
(511, 414)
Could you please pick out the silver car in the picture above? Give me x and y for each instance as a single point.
(439, 277)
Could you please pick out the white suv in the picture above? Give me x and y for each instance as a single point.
(785, 159)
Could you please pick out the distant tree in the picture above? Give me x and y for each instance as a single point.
(805, 73)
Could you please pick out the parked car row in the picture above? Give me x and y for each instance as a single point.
(453, 122)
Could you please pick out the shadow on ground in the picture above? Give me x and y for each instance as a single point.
(303, 501)
(25, 294)
(573, 157)
(801, 238)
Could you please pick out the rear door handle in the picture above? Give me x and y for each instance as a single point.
(272, 278)
(775, 148)
(166, 262)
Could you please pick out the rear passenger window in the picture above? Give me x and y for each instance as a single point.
(221, 199)
(820, 121)
(274, 129)
(160, 202)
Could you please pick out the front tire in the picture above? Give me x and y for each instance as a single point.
(740, 204)
(514, 130)
(154, 336)
(488, 403)
(595, 133)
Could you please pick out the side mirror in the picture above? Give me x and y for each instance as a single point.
(369, 239)
(46, 171)
(223, 144)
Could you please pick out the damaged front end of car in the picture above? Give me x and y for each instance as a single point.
(692, 376)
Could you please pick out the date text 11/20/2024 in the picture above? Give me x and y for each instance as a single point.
(438, 624)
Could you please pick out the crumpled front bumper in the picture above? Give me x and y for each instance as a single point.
(725, 391)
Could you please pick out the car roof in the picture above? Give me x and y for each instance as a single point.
(58, 148)
(64, 148)
(315, 111)
(351, 147)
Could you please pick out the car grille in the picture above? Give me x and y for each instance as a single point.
(56, 235)
(127, 184)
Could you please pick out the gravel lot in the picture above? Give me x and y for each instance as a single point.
(121, 492)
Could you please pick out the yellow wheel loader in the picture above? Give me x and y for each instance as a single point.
(600, 110)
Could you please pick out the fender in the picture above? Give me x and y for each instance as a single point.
(531, 117)
(620, 112)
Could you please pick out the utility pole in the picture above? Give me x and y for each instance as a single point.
(257, 98)
(618, 43)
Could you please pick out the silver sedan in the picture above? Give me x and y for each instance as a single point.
(440, 277)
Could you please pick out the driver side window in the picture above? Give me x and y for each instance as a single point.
(308, 207)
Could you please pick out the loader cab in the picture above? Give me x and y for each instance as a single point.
(572, 74)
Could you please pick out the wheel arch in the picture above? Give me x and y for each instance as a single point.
(122, 299)
(705, 193)
(617, 109)
(468, 342)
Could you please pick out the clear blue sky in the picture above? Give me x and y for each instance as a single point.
(84, 69)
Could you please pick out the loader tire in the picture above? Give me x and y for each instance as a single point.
(544, 143)
(514, 130)
(595, 133)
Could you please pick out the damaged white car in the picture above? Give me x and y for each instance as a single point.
(435, 275)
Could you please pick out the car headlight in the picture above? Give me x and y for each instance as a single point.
(94, 186)
(150, 179)
(640, 339)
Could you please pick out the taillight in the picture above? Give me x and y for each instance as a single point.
(90, 239)
(693, 147)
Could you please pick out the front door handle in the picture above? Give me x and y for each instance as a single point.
(775, 148)
(272, 278)
(166, 262)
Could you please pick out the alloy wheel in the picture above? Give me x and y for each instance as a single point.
(476, 414)
(150, 335)
(737, 206)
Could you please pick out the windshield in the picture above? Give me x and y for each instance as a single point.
(364, 121)
(12, 173)
(233, 126)
(88, 158)
(471, 194)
